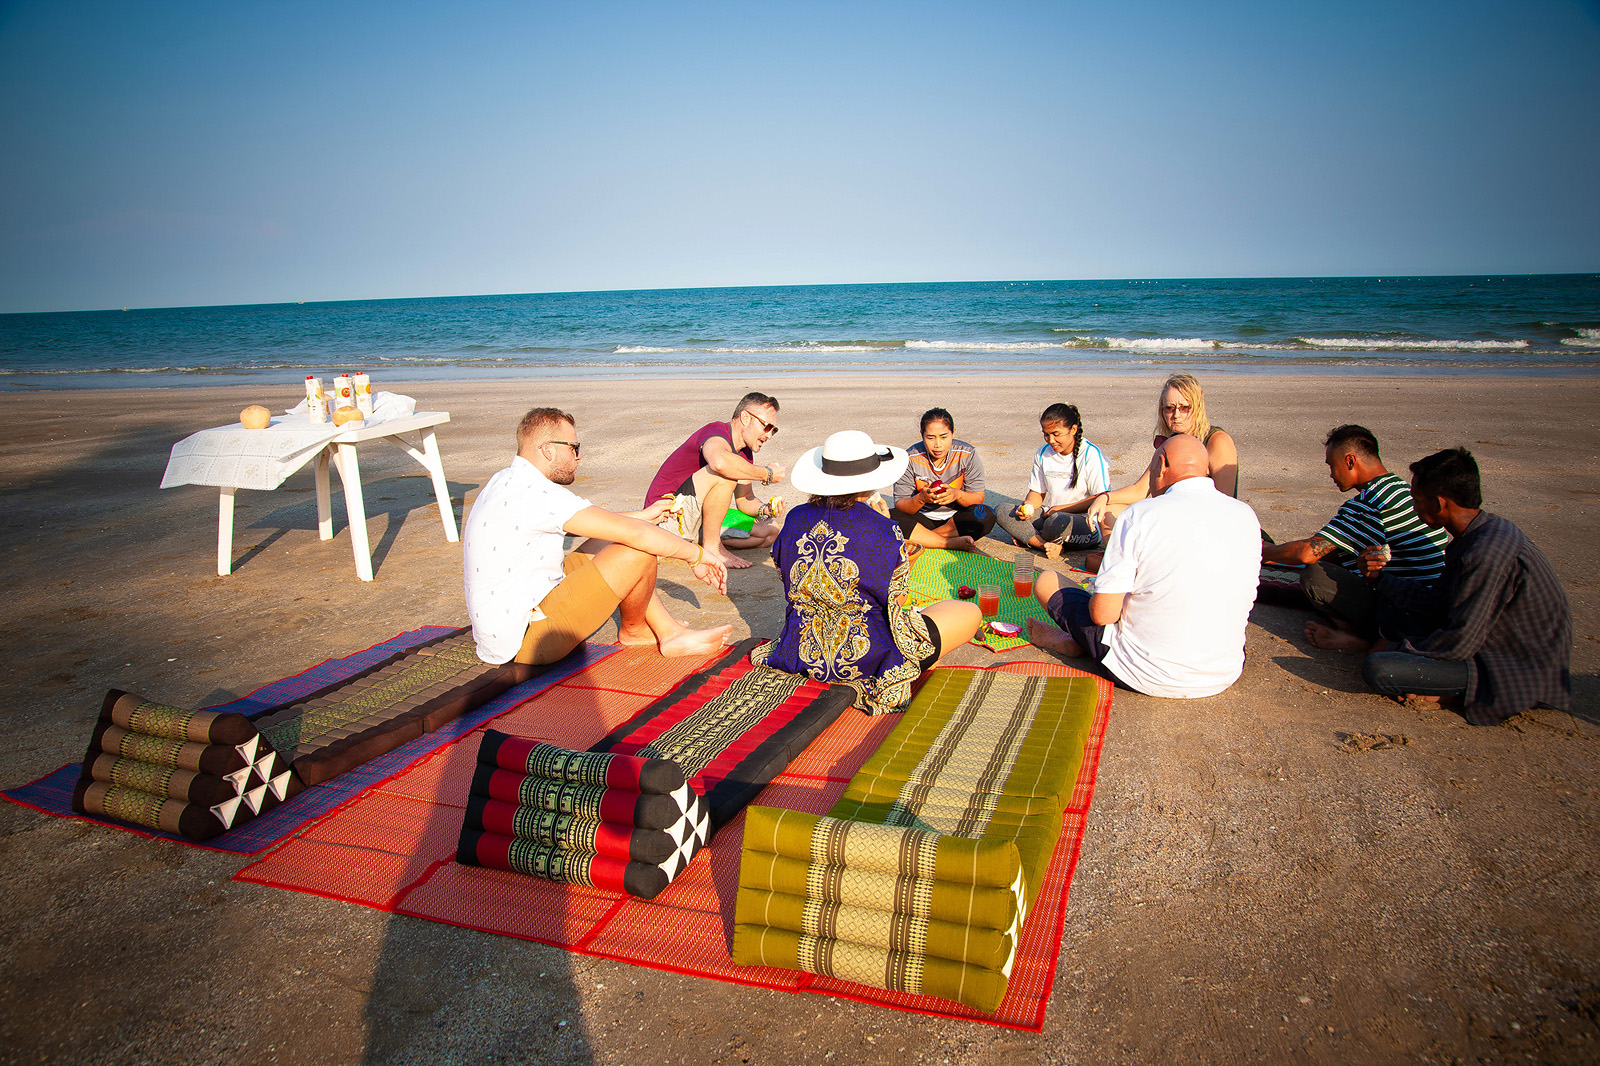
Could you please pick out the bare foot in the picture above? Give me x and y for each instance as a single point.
(1323, 636)
(1046, 636)
(728, 560)
(1052, 550)
(695, 642)
(960, 544)
(1092, 561)
(643, 635)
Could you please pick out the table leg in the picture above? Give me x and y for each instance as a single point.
(428, 456)
(324, 507)
(355, 508)
(225, 531)
(441, 488)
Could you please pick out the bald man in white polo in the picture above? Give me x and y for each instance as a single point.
(1173, 597)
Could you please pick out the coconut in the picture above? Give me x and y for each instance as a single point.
(255, 417)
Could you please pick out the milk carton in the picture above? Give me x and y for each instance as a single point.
(316, 402)
(363, 387)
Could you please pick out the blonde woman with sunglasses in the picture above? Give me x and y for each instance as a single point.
(1181, 408)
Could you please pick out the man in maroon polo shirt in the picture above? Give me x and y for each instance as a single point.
(714, 470)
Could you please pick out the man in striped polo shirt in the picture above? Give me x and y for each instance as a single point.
(1378, 521)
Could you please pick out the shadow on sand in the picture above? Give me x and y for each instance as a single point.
(442, 993)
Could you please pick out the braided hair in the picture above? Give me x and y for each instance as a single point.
(1067, 414)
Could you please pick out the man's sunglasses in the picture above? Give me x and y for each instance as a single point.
(569, 443)
(768, 426)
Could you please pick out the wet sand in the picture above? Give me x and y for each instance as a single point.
(1295, 869)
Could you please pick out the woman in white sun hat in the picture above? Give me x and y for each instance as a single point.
(846, 572)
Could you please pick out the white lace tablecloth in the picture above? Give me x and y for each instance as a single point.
(232, 456)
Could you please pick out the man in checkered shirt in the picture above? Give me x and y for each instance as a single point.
(1506, 640)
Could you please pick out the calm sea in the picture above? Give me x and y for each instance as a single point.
(1518, 324)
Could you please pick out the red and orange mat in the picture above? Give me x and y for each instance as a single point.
(392, 848)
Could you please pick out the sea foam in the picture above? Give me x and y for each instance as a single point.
(1371, 344)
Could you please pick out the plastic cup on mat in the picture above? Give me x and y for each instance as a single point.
(989, 600)
(1022, 578)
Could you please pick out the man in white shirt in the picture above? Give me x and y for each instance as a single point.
(1171, 601)
(526, 601)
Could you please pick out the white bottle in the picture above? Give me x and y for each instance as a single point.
(363, 387)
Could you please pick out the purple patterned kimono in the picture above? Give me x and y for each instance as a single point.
(846, 575)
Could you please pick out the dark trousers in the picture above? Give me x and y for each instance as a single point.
(1396, 673)
(974, 521)
(1349, 597)
(1069, 609)
(1070, 530)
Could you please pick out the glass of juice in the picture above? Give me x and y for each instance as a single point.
(1022, 578)
(989, 600)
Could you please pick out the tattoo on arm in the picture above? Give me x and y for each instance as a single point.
(1317, 547)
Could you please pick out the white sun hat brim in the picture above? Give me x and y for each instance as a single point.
(850, 448)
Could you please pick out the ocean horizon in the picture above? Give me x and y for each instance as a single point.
(1496, 324)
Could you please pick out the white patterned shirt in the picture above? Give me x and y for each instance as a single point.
(511, 549)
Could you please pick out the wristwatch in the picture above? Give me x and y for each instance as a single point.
(768, 479)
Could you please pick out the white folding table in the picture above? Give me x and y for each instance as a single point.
(262, 462)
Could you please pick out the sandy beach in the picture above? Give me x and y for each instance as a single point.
(1293, 870)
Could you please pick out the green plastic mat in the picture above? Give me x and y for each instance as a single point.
(937, 574)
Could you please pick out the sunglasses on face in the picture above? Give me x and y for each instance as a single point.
(768, 426)
(1176, 409)
(569, 443)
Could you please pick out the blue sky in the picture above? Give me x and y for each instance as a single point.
(198, 153)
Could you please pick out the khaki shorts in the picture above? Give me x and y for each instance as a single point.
(572, 610)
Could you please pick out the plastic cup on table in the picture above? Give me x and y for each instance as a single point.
(989, 600)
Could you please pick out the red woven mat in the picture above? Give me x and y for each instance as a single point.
(640, 670)
(393, 849)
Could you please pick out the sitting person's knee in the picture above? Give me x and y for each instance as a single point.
(1377, 671)
(1319, 586)
(976, 522)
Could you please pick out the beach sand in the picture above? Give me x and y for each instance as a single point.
(1295, 869)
